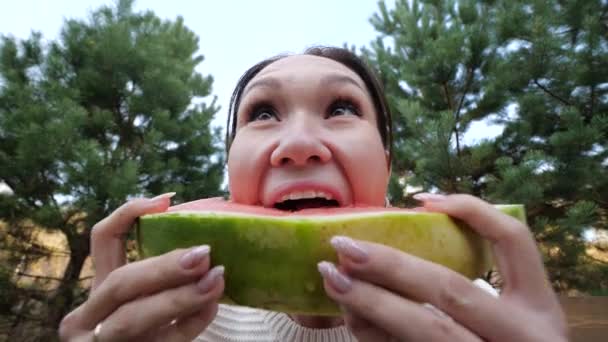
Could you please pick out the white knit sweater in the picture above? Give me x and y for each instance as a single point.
(244, 324)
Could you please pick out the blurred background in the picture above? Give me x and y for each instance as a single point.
(103, 101)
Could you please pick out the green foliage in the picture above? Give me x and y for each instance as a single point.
(539, 69)
(113, 109)
(107, 112)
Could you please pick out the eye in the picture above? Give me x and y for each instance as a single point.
(343, 107)
(263, 113)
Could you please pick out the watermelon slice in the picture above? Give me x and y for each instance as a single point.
(271, 255)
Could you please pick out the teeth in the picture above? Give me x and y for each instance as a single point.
(306, 194)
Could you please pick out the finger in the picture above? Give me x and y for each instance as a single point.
(363, 329)
(70, 328)
(137, 318)
(107, 236)
(517, 255)
(143, 278)
(396, 315)
(424, 281)
(188, 328)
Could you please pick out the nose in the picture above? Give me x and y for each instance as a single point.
(299, 145)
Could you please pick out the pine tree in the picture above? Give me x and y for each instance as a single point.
(111, 110)
(539, 68)
(558, 144)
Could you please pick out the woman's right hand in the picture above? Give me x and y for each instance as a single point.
(172, 297)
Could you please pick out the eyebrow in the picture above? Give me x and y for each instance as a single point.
(275, 83)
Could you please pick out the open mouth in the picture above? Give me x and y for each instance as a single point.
(306, 203)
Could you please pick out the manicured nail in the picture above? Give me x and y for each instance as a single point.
(350, 248)
(163, 196)
(208, 281)
(427, 197)
(194, 257)
(339, 281)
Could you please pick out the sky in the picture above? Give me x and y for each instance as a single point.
(234, 35)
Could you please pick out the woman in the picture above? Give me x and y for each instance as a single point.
(317, 122)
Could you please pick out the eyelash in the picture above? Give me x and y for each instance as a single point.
(343, 102)
(339, 102)
(259, 108)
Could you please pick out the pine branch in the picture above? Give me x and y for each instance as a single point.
(86, 278)
(568, 30)
(448, 98)
(546, 90)
(467, 85)
(30, 202)
(27, 275)
(604, 12)
(32, 246)
(54, 203)
(592, 104)
(457, 139)
(574, 32)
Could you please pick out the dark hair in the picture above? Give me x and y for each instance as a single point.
(340, 55)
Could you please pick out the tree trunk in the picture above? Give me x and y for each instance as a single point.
(64, 299)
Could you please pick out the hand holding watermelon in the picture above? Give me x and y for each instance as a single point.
(380, 288)
(171, 297)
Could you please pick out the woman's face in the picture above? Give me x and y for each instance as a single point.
(306, 128)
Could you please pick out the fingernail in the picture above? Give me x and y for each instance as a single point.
(194, 257)
(206, 283)
(163, 196)
(427, 197)
(339, 281)
(349, 248)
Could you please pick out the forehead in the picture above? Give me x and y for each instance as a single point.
(305, 68)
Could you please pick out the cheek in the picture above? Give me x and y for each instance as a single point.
(370, 180)
(363, 159)
(246, 163)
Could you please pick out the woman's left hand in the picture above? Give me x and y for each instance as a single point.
(380, 288)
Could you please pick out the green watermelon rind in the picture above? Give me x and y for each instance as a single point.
(271, 261)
